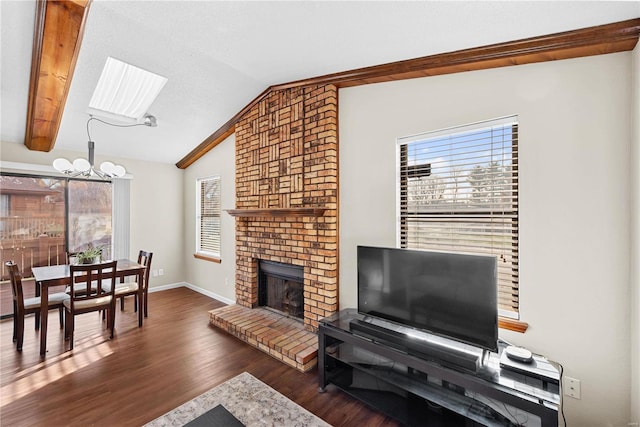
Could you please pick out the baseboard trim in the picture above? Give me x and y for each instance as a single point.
(193, 288)
(166, 287)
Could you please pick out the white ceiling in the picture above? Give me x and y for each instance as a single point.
(219, 55)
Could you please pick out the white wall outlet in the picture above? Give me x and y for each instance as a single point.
(571, 387)
(155, 273)
(161, 272)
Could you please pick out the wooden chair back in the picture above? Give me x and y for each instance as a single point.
(144, 258)
(16, 284)
(87, 282)
(87, 293)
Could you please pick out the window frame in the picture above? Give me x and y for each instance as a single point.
(60, 256)
(406, 170)
(201, 253)
(69, 214)
(67, 180)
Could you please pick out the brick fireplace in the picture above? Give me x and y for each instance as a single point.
(287, 195)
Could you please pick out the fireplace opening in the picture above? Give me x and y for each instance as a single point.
(281, 287)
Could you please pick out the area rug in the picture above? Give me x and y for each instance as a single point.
(249, 400)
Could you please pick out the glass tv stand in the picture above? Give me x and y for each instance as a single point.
(419, 389)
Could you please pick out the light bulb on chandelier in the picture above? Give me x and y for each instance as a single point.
(85, 168)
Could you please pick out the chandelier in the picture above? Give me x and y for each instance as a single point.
(85, 168)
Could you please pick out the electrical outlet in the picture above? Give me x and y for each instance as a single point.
(571, 387)
(155, 273)
(161, 272)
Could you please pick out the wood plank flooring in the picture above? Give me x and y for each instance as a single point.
(145, 372)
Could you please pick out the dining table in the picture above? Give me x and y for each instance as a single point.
(60, 275)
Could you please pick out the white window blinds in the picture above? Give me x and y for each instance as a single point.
(458, 192)
(208, 216)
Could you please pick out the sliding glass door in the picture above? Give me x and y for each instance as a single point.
(41, 218)
(90, 216)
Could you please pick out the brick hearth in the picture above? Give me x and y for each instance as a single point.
(281, 337)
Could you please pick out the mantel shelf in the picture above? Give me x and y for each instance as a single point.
(275, 212)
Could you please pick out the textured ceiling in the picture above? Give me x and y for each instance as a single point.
(218, 56)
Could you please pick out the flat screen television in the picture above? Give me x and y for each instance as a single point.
(446, 294)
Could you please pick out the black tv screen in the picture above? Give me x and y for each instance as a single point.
(451, 295)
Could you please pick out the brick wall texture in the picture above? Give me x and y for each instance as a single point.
(287, 157)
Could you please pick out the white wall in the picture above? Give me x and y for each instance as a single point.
(156, 190)
(216, 280)
(156, 215)
(575, 126)
(635, 241)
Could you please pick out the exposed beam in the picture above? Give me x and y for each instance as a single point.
(56, 43)
(610, 38)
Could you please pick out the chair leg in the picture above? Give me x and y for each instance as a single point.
(20, 331)
(15, 320)
(145, 305)
(121, 303)
(112, 319)
(72, 326)
(37, 316)
(61, 314)
(67, 322)
(135, 303)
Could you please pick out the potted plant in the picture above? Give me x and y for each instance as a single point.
(91, 255)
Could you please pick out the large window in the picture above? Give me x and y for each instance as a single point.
(208, 217)
(90, 216)
(43, 218)
(458, 192)
(33, 224)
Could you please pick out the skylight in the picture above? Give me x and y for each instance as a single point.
(124, 92)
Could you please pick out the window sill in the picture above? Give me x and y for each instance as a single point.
(512, 325)
(208, 258)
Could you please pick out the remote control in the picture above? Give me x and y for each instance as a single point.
(518, 354)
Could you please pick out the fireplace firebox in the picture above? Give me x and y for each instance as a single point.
(281, 287)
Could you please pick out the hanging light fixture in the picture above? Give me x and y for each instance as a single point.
(85, 167)
(124, 93)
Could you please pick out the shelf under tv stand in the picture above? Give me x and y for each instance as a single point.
(415, 390)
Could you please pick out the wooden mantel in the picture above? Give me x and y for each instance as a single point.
(276, 212)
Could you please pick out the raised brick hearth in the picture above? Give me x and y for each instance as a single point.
(287, 162)
(281, 337)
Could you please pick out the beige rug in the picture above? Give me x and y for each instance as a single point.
(250, 400)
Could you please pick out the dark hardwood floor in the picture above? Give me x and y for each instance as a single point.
(145, 372)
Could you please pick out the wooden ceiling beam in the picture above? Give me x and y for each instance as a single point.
(57, 38)
(602, 39)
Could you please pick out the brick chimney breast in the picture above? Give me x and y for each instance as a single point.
(287, 157)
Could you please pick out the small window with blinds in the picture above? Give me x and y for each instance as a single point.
(458, 192)
(208, 216)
